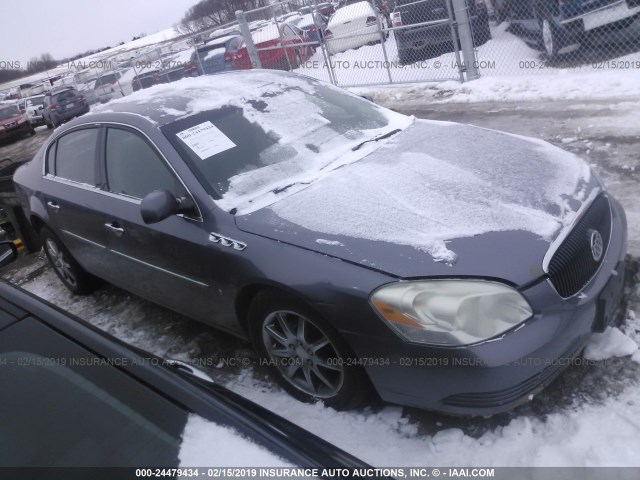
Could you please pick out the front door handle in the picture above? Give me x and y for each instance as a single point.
(113, 227)
(54, 205)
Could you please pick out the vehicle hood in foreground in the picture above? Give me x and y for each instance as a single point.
(439, 198)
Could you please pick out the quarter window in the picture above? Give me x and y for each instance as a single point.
(75, 156)
(134, 168)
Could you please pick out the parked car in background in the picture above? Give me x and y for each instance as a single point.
(293, 213)
(216, 55)
(284, 35)
(14, 123)
(428, 27)
(169, 68)
(33, 107)
(312, 26)
(108, 87)
(352, 26)
(558, 25)
(147, 79)
(87, 90)
(326, 9)
(137, 409)
(63, 105)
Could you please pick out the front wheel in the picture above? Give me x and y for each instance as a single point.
(74, 277)
(552, 38)
(305, 354)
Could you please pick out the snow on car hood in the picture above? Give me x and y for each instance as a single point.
(438, 192)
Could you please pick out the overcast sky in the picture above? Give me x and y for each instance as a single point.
(63, 28)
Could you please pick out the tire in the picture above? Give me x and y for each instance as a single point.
(296, 60)
(49, 125)
(32, 132)
(552, 38)
(74, 277)
(313, 366)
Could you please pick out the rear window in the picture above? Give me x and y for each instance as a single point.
(66, 96)
(106, 79)
(35, 101)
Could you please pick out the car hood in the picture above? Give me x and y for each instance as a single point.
(438, 199)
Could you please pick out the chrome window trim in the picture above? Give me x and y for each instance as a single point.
(127, 198)
(160, 269)
(90, 188)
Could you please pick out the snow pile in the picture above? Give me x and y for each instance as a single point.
(611, 343)
(207, 443)
(591, 435)
(400, 194)
(510, 71)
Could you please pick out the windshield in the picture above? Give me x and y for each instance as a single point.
(8, 112)
(35, 101)
(257, 146)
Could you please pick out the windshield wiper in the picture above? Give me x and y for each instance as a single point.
(375, 139)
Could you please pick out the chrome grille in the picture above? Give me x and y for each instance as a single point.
(573, 265)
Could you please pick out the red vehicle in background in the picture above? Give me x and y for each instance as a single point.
(284, 35)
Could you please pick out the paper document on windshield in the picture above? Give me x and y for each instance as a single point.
(205, 140)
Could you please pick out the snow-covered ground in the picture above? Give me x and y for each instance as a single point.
(588, 417)
(510, 71)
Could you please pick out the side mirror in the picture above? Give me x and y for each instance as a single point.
(8, 253)
(161, 204)
(41, 107)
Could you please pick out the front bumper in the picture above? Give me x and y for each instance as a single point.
(606, 14)
(497, 375)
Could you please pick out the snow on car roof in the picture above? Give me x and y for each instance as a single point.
(355, 10)
(217, 41)
(266, 34)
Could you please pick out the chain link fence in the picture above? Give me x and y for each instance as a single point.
(554, 36)
(375, 42)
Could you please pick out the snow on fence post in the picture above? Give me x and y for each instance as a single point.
(248, 40)
(466, 38)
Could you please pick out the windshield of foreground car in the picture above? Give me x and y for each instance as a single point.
(8, 112)
(249, 152)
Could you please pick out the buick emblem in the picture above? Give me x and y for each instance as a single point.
(596, 245)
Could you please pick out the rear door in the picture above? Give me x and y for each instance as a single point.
(164, 262)
(73, 199)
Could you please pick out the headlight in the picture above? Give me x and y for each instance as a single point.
(450, 312)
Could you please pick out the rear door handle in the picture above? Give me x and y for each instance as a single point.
(113, 227)
(54, 205)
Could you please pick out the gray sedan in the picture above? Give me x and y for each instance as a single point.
(438, 265)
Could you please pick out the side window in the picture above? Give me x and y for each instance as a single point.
(75, 156)
(134, 168)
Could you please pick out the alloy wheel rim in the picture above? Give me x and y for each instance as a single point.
(303, 354)
(547, 37)
(60, 263)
